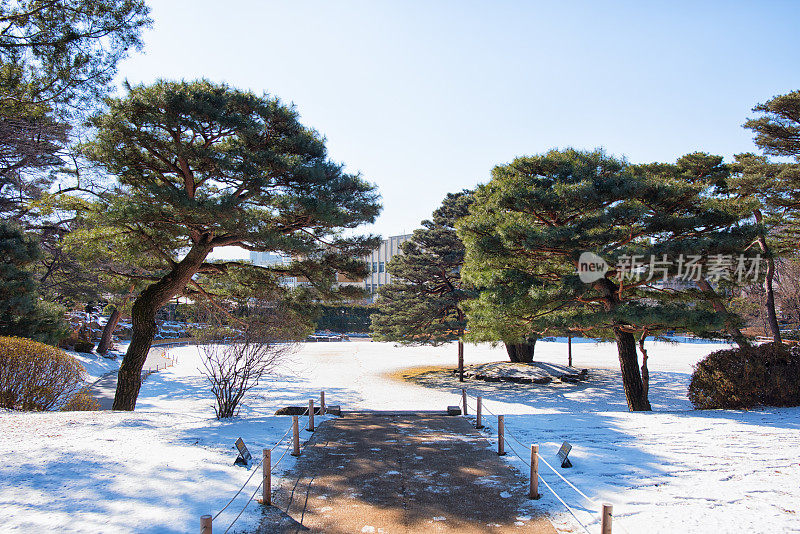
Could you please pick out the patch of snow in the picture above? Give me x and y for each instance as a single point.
(159, 468)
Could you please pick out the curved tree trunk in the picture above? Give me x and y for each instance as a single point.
(772, 316)
(626, 349)
(629, 365)
(521, 352)
(108, 331)
(143, 320)
(645, 369)
(737, 335)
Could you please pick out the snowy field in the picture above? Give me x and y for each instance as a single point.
(158, 469)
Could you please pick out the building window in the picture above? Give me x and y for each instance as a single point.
(374, 266)
(381, 267)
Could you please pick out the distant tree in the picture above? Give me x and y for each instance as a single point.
(202, 166)
(529, 226)
(426, 298)
(344, 318)
(424, 302)
(775, 186)
(64, 52)
(777, 130)
(56, 59)
(120, 302)
(22, 312)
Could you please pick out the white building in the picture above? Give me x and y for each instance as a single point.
(271, 259)
(376, 265)
(377, 261)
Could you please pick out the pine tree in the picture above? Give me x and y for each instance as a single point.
(774, 187)
(202, 166)
(424, 302)
(529, 226)
(22, 313)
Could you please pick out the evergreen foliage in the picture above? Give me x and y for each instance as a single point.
(424, 302)
(203, 165)
(345, 319)
(529, 225)
(22, 312)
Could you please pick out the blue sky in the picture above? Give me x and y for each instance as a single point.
(424, 98)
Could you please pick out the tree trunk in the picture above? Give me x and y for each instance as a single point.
(521, 352)
(629, 365)
(569, 351)
(771, 313)
(511, 349)
(108, 331)
(626, 349)
(719, 307)
(460, 361)
(772, 316)
(645, 370)
(143, 321)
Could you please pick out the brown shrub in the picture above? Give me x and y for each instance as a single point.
(766, 375)
(82, 401)
(35, 376)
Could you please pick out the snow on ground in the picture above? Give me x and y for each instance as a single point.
(158, 469)
(95, 365)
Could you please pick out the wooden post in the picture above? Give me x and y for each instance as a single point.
(534, 493)
(322, 402)
(569, 351)
(478, 423)
(464, 401)
(205, 524)
(310, 415)
(266, 471)
(605, 524)
(501, 440)
(295, 436)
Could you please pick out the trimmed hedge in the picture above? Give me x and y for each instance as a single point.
(38, 377)
(765, 375)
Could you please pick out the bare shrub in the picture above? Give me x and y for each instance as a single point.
(35, 376)
(236, 358)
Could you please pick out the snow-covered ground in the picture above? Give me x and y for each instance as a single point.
(158, 469)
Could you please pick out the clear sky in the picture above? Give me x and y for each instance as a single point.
(425, 97)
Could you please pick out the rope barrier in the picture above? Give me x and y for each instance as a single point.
(570, 484)
(557, 496)
(255, 470)
(244, 507)
(271, 469)
(240, 489)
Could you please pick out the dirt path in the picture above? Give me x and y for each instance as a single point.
(377, 472)
(104, 389)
